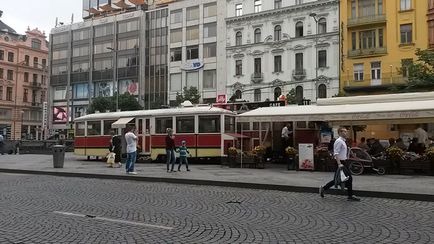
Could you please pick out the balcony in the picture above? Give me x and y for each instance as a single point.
(35, 84)
(369, 52)
(367, 20)
(299, 74)
(257, 77)
(35, 104)
(385, 83)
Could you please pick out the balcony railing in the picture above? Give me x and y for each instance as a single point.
(257, 77)
(387, 80)
(366, 20)
(377, 51)
(299, 74)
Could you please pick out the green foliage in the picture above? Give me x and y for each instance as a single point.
(421, 72)
(290, 97)
(127, 102)
(189, 94)
(101, 104)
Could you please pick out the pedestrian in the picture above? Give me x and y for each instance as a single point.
(286, 131)
(2, 142)
(183, 155)
(116, 148)
(363, 144)
(400, 144)
(170, 150)
(340, 152)
(131, 140)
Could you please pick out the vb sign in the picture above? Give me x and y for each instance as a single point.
(192, 65)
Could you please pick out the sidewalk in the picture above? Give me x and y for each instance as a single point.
(388, 186)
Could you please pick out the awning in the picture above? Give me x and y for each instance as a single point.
(121, 123)
(389, 111)
(122, 4)
(137, 2)
(237, 135)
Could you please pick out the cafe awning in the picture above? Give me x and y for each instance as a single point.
(358, 113)
(122, 122)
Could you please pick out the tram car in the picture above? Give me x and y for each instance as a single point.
(208, 131)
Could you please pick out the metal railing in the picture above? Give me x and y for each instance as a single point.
(367, 52)
(299, 74)
(257, 77)
(365, 20)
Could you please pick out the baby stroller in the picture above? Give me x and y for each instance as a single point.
(359, 160)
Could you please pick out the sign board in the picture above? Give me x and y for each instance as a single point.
(241, 107)
(305, 156)
(44, 115)
(221, 99)
(194, 64)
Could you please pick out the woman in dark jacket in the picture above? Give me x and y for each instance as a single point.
(170, 150)
(116, 147)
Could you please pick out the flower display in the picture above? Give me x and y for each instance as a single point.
(291, 151)
(429, 153)
(259, 150)
(232, 151)
(394, 153)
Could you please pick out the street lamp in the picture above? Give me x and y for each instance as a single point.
(313, 15)
(115, 75)
(22, 124)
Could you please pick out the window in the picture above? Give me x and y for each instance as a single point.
(193, 13)
(366, 8)
(353, 40)
(209, 124)
(192, 33)
(192, 79)
(42, 96)
(277, 33)
(102, 64)
(257, 67)
(257, 35)
(59, 93)
(36, 44)
(58, 69)
(9, 93)
(10, 57)
(128, 26)
(298, 2)
(380, 38)
(2, 55)
(192, 52)
(107, 126)
(322, 58)
(258, 6)
(80, 67)
(322, 26)
(210, 30)
(406, 34)
(127, 61)
(210, 50)
(80, 51)
(277, 4)
(176, 16)
(353, 9)
(102, 48)
(27, 60)
(1, 92)
(405, 63)
(358, 72)
(209, 10)
(80, 35)
(93, 128)
(25, 95)
(161, 124)
(238, 67)
(376, 70)
(299, 29)
(277, 93)
(209, 79)
(103, 30)
(35, 78)
(367, 39)
(257, 95)
(60, 38)
(81, 90)
(61, 54)
(380, 7)
(176, 54)
(278, 63)
(185, 124)
(238, 94)
(322, 91)
(229, 124)
(176, 35)
(299, 94)
(10, 75)
(238, 38)
(128, 44)
(35, 62)
(1, 73)
(405, 5)
(298, 62)
(238, 9)
(175, 82)
(44, 63)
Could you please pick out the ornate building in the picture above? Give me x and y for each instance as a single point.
(275, 47)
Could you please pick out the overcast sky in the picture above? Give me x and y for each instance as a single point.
(39, 13)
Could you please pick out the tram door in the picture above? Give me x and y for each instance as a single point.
(146, 136)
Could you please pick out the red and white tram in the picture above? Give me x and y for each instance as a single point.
(207, 130)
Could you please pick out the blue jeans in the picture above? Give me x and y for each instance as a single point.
(170, 158)
(131, 159)
(182, 159)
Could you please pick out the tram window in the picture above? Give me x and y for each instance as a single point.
(255, 125)
(265, 126)
(161, 124)
(246, 126)
(94, 128)
(79, 129)
(185, 124)
(108, 126)
(209, 124)
(140, 127)
(229, 124)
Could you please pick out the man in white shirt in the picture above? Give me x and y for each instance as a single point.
(131, 140)
(286, 131)
(340, 152)
(1, 144)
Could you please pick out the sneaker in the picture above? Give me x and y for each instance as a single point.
(354, 199)
(321, 191)
(188, 170)
(172, 171)
(133, 173)
(179, 170)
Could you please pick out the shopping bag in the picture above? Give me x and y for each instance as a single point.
(111, 158)
(343, 176)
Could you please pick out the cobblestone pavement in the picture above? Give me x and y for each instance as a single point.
(48, 209)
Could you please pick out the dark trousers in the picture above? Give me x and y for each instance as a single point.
(183, 159)
(348, 183)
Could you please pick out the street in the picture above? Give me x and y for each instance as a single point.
(49, 209)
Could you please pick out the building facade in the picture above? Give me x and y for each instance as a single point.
(431, 23)
(197, 32)
(23, 83)
(379, 39)
(125, 51)
(278, 47)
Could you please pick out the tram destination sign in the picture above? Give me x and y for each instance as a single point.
(241, 107)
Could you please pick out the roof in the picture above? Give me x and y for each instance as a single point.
(5, 28)
(343, 112)
(154, 112)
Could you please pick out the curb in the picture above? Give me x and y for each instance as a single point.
(285, 188)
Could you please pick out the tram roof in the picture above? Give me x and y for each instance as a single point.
(358, 113)
(155, 112)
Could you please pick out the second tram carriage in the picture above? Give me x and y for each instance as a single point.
(207, 131)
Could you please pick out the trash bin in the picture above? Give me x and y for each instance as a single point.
(58, 156)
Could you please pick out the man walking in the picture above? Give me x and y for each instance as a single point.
(340, 152)
(285, 137)
(131, 140)
(1, 144)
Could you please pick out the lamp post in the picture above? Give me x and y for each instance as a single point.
(115, 75)
(22, 124)
(313, 15)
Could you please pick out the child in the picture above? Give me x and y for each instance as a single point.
(183, 155)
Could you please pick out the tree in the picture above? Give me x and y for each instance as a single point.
(420, 73)
(127, 102)
(189, 94)
(101, 104)
(290, 97)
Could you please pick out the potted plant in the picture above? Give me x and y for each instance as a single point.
(395, 154)
(291, 152)
(429, 154)
(232, 156)
(259, 152)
